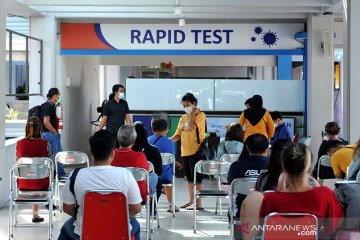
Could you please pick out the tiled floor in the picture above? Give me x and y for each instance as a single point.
(180, 227)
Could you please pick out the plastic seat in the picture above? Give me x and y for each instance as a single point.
(167, 159)
(34, 169)
(211, 168)
(112, 208)
(305, 226)
(70, 160)
(239, 186)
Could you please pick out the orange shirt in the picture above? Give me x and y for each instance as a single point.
(189, 143)
(265, 126)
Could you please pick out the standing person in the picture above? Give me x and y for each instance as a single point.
(191, 132)
(257, 119)
(100, 176)
(33, 145)
(116, 111)
(49, 128)
(165, 145)
(248, 103)
(281, 131)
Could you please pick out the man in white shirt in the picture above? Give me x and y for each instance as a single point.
(100, 176)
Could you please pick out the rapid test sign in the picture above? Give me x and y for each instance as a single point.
(164, 38)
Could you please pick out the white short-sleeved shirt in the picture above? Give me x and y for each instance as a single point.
(100, 177)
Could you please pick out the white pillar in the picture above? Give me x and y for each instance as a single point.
(352, 72)
(2, 81)
(45, 28)
(320, 79)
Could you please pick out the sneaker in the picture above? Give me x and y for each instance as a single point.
(37, 220)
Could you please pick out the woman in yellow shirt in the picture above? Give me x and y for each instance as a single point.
(191, 132)
(257, 119)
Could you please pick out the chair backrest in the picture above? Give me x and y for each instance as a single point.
(31, 171)
(324, 161)
(212, 167)
(167, 158)
(300, 226)
(243, 185)
(72, 158)
(140, 174)
(105, 215)
(230, 157)
(151, 166)
(36, 161)
(306, 141)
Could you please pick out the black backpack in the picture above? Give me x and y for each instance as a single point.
(34, 111)
(206, 150)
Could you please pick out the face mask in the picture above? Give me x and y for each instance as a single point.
(188, 110)
(276, 125)
(122, 95)
(58, 101)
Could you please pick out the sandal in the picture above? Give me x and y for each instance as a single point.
(198, 208)
(186, 205)
(170, 209)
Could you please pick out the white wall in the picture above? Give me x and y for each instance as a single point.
(80, 100)
(45, 29)
(213, 72)
(320, 80)
(189, 60)
(352, 72)
(2, 86)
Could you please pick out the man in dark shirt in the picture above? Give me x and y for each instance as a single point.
(49, 129)
(116, 111)
(253, 165)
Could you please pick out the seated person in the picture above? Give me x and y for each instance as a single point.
(354, 166)
(331, 146)
(33, 145)
(332, 130)
(341, 159)
(281, 131)
(297, 196)
(99, 176)
(253, 165)
(165, 145)
(151, 152)
(233, 142)
(269, 180)
(126, 157)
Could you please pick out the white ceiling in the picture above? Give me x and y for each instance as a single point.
(206, 10)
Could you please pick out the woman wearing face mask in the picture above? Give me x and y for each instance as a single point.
(191, 132)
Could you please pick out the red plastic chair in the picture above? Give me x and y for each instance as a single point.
(299, 226)
(105, 216)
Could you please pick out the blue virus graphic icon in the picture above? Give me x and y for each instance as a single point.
(269, 38)
(258, 30)
(253, 39)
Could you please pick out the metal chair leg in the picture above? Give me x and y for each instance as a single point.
(194, 209)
